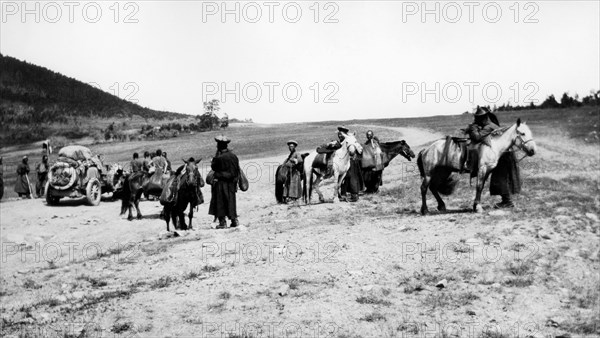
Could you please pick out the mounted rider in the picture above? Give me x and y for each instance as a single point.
(326, 151)
(506, 179)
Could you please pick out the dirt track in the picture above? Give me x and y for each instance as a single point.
(366, 269)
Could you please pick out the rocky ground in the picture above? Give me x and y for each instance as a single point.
(375, 268)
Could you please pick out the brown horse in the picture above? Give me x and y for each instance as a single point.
(186, 185)
(389, 150)
(439, 170)
(133, 186)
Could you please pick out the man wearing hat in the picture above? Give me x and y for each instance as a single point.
(292, 190)
(226, 168)
(506, 179)
(22, 184)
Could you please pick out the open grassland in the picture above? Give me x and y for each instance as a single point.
(375, 268)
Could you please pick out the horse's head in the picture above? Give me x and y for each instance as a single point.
(405, 151)
(352, 143)
(524, 138)
(191, 171)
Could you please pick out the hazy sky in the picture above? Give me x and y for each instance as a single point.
(369, 58)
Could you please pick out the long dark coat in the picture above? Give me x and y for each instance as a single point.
(353, 182)
(21, 186)
(293, 186)
(506, 177)
(226, 167)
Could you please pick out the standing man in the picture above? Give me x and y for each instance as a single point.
(22, 185)
(136, 164)
(226, 168)
(146, 164)
(42, 176)
(353, 182)
(160, 163)
(373, 155)
(292, 189)
(506, 177)
(169, 168)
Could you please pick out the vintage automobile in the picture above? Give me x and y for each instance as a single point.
(76, 174)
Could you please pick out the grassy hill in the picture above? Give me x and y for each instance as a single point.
(36, 103)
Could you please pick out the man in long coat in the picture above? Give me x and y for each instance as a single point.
(292, 189)
(506, 177)
(42, 176)
(226, 168)
(22, 183)
(372, 174)
(353, 182)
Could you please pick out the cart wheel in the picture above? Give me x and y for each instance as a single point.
(92, 192)
(50, 200)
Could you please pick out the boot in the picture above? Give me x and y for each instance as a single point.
(505, 203)
(235, 223)
(222, 223)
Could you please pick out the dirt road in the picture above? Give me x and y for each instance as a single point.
(372, 268)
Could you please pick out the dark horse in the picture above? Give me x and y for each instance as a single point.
(133, 186)
(389, 150)
(181, 190)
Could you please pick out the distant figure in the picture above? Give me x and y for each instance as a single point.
(226, 168)
(292, 189)
(22, 184)
(1, 178)
(136, 164)
(147, 162)
(42, 176)
(169, 168)
(46, 148)
(160, 163)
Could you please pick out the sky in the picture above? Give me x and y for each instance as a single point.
(278, 62)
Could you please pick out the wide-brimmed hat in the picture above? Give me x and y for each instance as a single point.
(480, 111)
(292, 142)
(222, 139)
(343, 129)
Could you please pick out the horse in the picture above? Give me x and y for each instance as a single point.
(133, 186)
(389, 150)
(439, 170)
(186, 193)
(341, 164)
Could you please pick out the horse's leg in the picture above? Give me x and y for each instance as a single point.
(424, 186)
(137, 204)
(481, 178)
(130, 205)
(317, 185)
(438, 198)
(167, 215)
(190, 216)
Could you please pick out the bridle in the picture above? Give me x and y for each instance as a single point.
(521, 145)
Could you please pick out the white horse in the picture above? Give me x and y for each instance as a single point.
(439, 174)
(341, 164)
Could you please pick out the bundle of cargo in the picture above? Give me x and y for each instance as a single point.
(76, 173)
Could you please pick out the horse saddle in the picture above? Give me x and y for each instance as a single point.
(320, 161)
(328, 148)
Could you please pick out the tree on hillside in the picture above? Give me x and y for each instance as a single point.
(210, 120)
(225, 121)
(550, 102)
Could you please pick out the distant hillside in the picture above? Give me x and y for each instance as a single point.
(36, 103)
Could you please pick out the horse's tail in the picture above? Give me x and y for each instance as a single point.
(420, 163)
(309, 180)
(278, 186)
(125, 195)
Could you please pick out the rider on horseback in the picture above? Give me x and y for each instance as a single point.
(505, 179)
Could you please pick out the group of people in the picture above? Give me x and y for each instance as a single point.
(23, 186)
(224, 181)
(505, 180)
(358, 180)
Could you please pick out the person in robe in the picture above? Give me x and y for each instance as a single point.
(292, 189)
(22, 184)
(226, 168)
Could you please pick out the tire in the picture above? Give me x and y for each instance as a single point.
(50, 200)
(93, 192)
